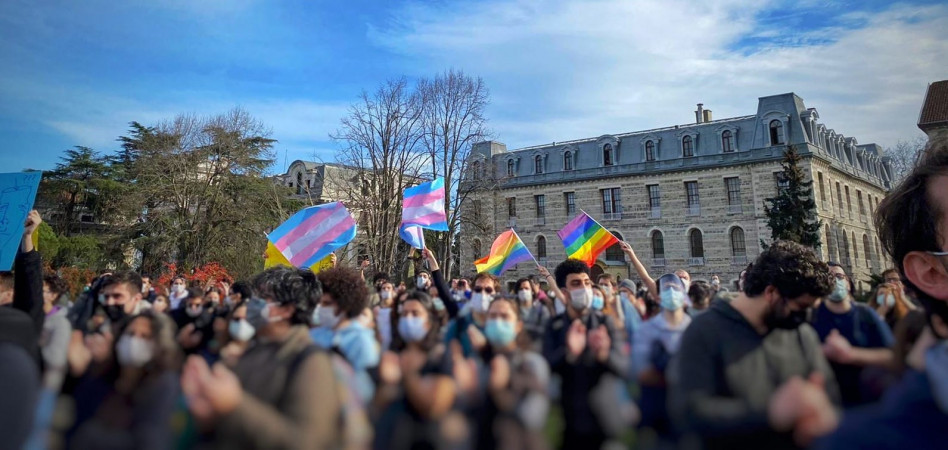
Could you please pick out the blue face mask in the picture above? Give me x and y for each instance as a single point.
(672, 300)
(412, 329)
(840, 292)
(357, 343)
(598, 303)
(500, 333)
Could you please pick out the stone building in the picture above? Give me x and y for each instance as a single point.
(687, 196)
(318, 183)
(933, 118)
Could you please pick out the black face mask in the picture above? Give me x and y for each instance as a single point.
(115, 313)
(790, 320)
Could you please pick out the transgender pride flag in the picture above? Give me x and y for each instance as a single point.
(423, 207)
(313, 233)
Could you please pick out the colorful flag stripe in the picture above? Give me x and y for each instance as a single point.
(301, 223)
(585, 239)
(313, 233)
(506, 252)
(423, 205)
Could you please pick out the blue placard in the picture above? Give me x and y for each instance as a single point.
(17, 194)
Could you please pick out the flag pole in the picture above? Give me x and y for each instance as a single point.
(597, 223)
(525, 245)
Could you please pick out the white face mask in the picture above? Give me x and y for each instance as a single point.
(133, 351)
(178, 288)
(325, 317)
(385, 295)
(581, 298)
(481, 301)
(606, 289)
(421, 282)
(525, 295)
(241, 330)
(194, 311)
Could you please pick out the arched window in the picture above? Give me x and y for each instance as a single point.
(476, 248)
(658, 245)
(568, 161)
(866, 248)
(844, 253)
(649, 151)
(776, 132)
(541, 247)
(727, 141)
(608, 158)
(697, 243)
(511, 168)
(687, 146)
(299, 183)
(855, 250)
(738, 247)
(830, 254)
(614, 253)
(475, 170)
(538, 164)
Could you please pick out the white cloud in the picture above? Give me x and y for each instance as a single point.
(564, 70)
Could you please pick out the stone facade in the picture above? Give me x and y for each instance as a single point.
(729, 166)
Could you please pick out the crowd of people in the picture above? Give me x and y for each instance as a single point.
(788, 357)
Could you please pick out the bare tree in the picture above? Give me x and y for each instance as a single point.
(453, 121)
(903, 156)
(381, 146)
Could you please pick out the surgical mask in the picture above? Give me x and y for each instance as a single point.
(325, 317)
(258, 313)
(193, 311)
(228, 301)
(438, 304)
(412, 329)
(791, 321)
(500, 333)
(480, 301)
(241, 330)
(887, 300)
(624, 296)
(178, 289)
(598, 303)
(525, 295)
(133, 351)
(672, 300)
(385, 295)
(715, 283)
(421, 282)
(840, 292)
(581, 298)
(606, 289)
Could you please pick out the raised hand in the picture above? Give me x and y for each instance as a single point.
(478, 341)
(544, 272)
(390, 370)
(600, 343)
(430, 257)
(837, 348)
(576, 338)
(499, 373)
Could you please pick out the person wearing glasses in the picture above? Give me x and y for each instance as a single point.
(891, 276)
(854, 337)
(468, 327)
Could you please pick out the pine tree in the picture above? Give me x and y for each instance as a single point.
(791, 215)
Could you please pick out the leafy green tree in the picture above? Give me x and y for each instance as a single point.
(791, 215)
(81, 184)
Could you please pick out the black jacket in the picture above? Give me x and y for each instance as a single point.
(22, 323)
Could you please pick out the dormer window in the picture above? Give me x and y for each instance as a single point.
(568, 161)
(538, 164)
(511, 168)
(687, 147)
(649, 151)
(727, 141)
(608, 158)
(776, 132)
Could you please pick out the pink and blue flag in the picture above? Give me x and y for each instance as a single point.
(423, 208)
(314, 232)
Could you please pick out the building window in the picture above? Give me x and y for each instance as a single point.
(849, 205)
(839, 198)
(608, 158)
(541, 247)
(476, 247)
(611, 203)
(649, 151)
(299, 183)
(866, 249)
(570, 204)
(511, 207)
(511, 168)
(738, 247)
(733, 186)
(776, 132)
(687, 146)
(694, 203)
(845, 252)
(819, 175)
(476, 206)
(538, 164)
(540, 201)
(697, 243)
(862, 207)
(658, 246)
(830, 254)
(475, 170)
(568, 161)
(855, 250)
(783, 183)
(614, 252)
(654, 201)
(727, 141)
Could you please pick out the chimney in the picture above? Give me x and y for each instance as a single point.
(699, 114)
(707, 115)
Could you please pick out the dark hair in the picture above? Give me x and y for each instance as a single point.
(242, 288)
(488, 276)
(379, 276)
(891, 270)
(791, 268)
(290, 286)
(521, 281)
(145, 275)
(569, 267)
(56, 284)
(849, 279)
(434, 325)
(907, 220)
(125, 277)
(510, 300)
(346, 287)
(6, 279)
(700, 293)
(167, 356)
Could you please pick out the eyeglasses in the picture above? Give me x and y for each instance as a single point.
(488, 290)
(938, 253)
(840, 276)
(893, 280)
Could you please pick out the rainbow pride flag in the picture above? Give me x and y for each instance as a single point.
(506, 251)
(423, 208)
(313, 233)
(585, 239)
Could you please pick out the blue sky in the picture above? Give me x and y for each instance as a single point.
(75, 73)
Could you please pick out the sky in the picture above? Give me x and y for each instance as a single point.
(76, 73)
